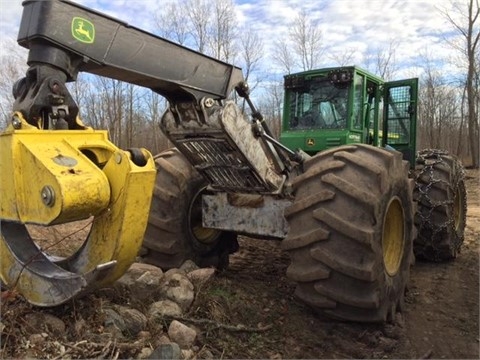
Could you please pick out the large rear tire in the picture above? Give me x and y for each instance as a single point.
(442, 205)
(351, 233)
(174, 232)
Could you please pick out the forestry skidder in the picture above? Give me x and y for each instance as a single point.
(345, 215)
(326, 108)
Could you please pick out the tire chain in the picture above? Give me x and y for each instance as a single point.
(430, 158)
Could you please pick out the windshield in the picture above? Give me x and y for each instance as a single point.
(318, 105)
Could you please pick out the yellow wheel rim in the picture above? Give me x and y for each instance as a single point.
(393, 237)
(205, 235)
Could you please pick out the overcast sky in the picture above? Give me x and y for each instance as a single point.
(415, 26)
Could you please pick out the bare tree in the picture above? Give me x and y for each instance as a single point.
(271, 106)
(80, 89)
(283, 56)
(439, 123)
(130, 115)
(345, 58)
(198, 13)
(111, 106)
(306, 37)
(93, 107)
(154, 139)
(460, 143)
(14, 65)
(223, 32)
(209, 27)
(381, 60)
(303, 47)
(172, 25)
(251, 52)
(465, 22)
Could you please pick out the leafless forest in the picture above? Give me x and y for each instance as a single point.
(449, 102)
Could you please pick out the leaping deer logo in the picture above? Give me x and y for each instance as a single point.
(83, 30)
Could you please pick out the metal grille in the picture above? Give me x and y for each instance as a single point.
(399, 112)
(222, 164)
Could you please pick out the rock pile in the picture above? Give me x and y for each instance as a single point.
(148, 316)
(169, 296)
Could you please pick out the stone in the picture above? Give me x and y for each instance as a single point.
(178, 288)
(144, 335)
(54, 325)
(113, 318)
(199, 277)
(45, 321)
(207, 354)
(140, 280)
(166, 351)
(134, 320)
(163, 339)
(79, 326)
(145, 353)
(387, 344)
(172, 271)
(183, 335)
(36, 339)
(189, 266)
(136, 270)
(188, 354)
(164, 308)
(393, 331)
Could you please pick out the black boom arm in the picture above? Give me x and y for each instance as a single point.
(65, 36)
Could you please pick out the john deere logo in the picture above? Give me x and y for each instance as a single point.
(310, 142)
(83, 30)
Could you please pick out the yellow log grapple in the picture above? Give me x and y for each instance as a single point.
(56, 176)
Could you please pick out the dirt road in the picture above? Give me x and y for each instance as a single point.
(442, 316)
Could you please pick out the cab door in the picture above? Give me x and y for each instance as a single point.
(400, 117)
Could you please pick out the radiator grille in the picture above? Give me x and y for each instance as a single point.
(222, 164)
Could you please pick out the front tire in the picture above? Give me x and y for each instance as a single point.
(351, 233)
(174, 232)
(442, 206)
